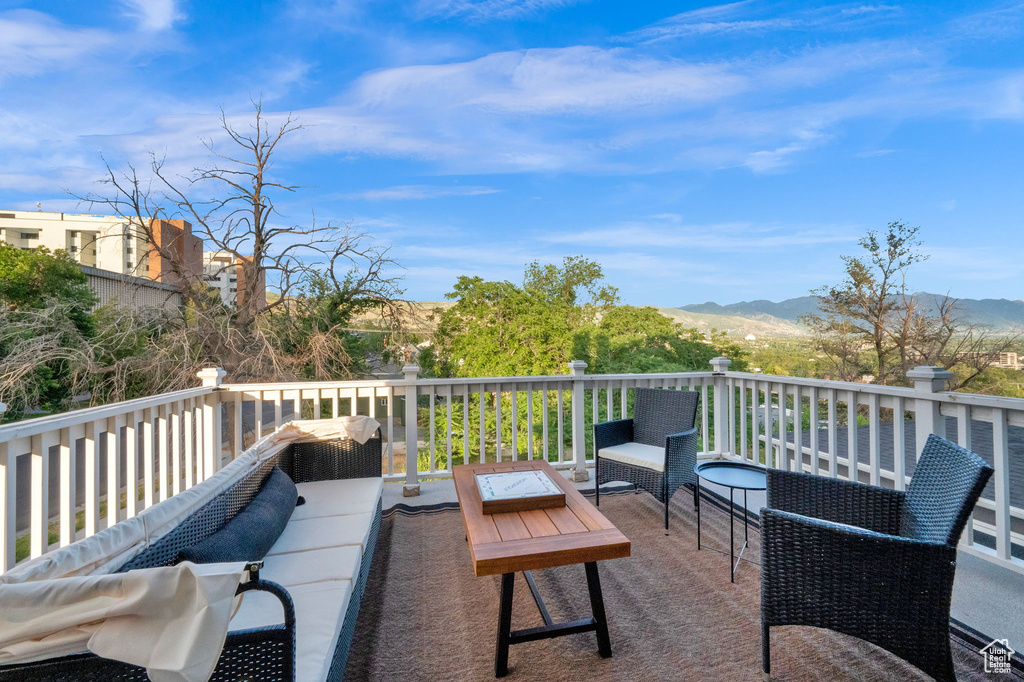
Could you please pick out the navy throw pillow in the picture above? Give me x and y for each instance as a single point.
(253, 530)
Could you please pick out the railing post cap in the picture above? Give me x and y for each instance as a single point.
(577, 367)
(211, 376)
(410, 371)
(720, 364)
(931, 379)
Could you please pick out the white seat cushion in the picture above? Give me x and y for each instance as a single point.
(636, 454)
(319, 612)
(324, 531)
(333, 498)
(314, 566)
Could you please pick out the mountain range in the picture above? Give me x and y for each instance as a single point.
(999, 314)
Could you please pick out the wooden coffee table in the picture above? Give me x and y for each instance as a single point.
(504, 544)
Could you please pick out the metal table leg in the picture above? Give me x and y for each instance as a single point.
(745, 537)
(604, 644)
(698, 514)
(508, 581)
(732, 571)
(598, 622)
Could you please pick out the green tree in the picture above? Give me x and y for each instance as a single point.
(560, 313)
(630, 339)
(500, 329)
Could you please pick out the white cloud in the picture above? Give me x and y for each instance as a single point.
(670, 231)
(153, 15)
(874, 153)
(871, 9)
(32, 43)
(577, 79)
(489, 9)
(406, 192)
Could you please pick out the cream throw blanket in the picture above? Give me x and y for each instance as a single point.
(170, 620)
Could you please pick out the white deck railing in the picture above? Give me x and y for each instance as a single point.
(152, 448)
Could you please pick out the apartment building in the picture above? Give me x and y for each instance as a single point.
(109, 243)
(226, 274)
(112, 244)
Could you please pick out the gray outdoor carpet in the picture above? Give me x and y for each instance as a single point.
(673, 614)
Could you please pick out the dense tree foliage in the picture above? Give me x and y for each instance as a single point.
(558, 314)
(46, 328)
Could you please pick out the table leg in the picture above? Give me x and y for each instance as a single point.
(732, 570)
(508, 581)
(745, 538)
(698, 515)
(604, 645)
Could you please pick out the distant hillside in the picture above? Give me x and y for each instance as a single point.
(790, 309)
(735, 325)
(999, 313)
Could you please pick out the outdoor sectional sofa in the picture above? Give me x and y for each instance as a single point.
(296, 621)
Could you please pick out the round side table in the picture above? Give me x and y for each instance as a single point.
(734, 476)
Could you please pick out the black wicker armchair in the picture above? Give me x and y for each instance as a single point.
(870, 562)
(656, 450)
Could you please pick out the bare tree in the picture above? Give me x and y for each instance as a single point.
(865, 304)
(943, 338)
(874, 309)
(230, 205)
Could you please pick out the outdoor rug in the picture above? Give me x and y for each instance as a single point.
(673, 614)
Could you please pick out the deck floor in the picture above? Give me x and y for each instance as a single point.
(986, 597)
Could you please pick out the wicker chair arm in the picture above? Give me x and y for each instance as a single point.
(607, 434)
(681, 444)
(811, 567)
(278, 591)
(829, 499)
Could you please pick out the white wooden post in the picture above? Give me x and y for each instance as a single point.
(579, 425)
(8, 493)
(719, 366)
(928, 420)
(211, 437)
(412, 436)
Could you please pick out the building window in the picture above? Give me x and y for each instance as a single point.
(30, 235)
(232, 279)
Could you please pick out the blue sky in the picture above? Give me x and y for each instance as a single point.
(698, 151)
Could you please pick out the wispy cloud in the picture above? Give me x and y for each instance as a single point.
(407, 192)
(32, 43)
(744, 18)
(551, 81)
(154, 15)
(490, 9)
(871, 9)
(671, 231)
(874, 153)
